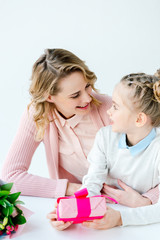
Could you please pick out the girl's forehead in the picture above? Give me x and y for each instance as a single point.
(123, 95)
(121, 90)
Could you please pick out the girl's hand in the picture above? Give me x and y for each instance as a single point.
(58, 225)
(127, 196)
(72, 188)
(112, 218)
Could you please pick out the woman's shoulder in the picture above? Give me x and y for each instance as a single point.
(105, 101)
(27, 118)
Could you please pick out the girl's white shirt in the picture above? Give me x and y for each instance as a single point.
(139, 168)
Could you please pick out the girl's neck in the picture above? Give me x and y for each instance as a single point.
(135, 137)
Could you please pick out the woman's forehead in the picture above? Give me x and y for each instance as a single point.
(72, 83)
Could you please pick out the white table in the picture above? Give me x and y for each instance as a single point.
(38, 226)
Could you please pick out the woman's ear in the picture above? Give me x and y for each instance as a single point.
(141, 119)
(50, 99)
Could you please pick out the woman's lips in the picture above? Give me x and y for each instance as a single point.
(85, 107)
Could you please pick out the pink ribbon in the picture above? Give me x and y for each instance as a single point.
(83, 203)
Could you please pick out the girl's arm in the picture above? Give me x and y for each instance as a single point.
(98, 169)
(128, 216)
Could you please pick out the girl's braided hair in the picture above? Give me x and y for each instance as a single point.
(145, 94)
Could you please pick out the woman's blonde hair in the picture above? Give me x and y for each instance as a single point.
(145, 94)
(47, 71)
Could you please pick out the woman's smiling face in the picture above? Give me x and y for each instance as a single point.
(74, 95)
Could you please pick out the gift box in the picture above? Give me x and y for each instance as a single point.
(80, 208)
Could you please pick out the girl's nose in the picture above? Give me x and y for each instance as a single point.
(109, 112)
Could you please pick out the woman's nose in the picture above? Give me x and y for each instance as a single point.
(86, 97)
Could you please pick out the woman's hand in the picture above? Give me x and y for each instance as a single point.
(112, 218)
(127, 196)
(59, 225)
(72, 188)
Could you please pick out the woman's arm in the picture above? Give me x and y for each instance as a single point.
(17, 163)
(129, 197)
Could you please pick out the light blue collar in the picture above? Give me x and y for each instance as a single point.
(134, 150)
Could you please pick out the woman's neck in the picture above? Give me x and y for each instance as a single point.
(64, 116)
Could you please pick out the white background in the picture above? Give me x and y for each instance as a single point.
(114, 37)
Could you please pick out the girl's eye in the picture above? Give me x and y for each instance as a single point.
(114, 106)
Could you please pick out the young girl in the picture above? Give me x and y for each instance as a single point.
(129, 149)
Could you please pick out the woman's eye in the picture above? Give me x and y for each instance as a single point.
(88, 85)
(76, 96)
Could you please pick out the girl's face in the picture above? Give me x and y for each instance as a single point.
(74, 95)
(122, 113)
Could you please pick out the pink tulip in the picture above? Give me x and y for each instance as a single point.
(16, 227)
(8, 232)
(8, 228)
(1, 233)
(12, 228)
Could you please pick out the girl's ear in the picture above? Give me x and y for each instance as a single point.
(141, 119)
(50, 99)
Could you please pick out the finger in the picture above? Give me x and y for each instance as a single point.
(123, 185)
(60, 225)
(112, 192)
(90, 225)
(95, 224)
(51, 215)
(112, 186)
(110, 201)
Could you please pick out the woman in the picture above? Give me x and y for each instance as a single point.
(65, 114)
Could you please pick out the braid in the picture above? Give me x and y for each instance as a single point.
(145, 91)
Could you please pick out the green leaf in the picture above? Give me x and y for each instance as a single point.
(2, 203)
(7, 186)
(18, 202)
(10, 221)
(4, 193)
(7, 203)
(5, 212)
(18, 210)
(19, 219)
(11, 209)
(12, 197)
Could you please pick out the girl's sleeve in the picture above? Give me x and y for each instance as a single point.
(142, 215)
(18, 160)
(98, 170)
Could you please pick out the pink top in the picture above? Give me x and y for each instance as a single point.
(78, 131)
(16, 165)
